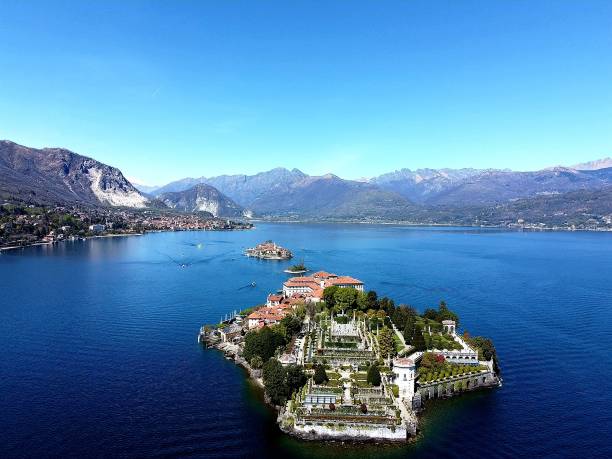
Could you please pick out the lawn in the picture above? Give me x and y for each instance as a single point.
(399, 346)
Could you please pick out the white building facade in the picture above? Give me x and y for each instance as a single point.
(404, 370)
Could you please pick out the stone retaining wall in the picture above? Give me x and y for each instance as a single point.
(323, 432)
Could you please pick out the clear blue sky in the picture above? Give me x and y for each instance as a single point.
(165, 90)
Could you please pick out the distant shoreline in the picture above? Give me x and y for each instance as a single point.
(437, 225)
(34, 244)
(100, 236)
(339, 222)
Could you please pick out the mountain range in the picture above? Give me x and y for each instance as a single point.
(485, 187)
(401, 194)
(470, 196)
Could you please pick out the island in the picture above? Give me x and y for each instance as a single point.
(269, 250)
(340, 363)
(299, 268)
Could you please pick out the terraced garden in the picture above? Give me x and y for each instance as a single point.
(441, 342)
(449, 371)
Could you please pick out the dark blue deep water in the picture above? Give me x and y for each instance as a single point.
(98, 351)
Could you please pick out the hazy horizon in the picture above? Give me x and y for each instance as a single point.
(135, 180)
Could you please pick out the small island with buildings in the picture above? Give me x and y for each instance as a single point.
(340, 363)
(269, 250)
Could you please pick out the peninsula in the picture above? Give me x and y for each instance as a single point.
(269, 250)
(339, 362)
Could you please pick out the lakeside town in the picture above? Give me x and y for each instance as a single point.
(338, 362)
(23, 225)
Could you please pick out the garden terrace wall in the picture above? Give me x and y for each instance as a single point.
(447, 386)
(349, 432)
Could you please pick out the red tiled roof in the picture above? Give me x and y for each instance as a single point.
(323, 275)
(403, 361)
(275, 313)
(343, 280)
(304, 282)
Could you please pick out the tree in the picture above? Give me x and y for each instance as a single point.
(256, 362)
(364, 408)
(373, 376)
(486, 350)
(432, 362)
(345, 298)
(362, 301)
(430, 313)
(262, 343)
(409, 328)
(387, 305)
(386, 343)
(401, 315)
(291, 324)
(418, 341)
(295, 378)
(329, 295)
(274, 378)
(446, 314)
(371, 300)
(332, 407)
(320, 376)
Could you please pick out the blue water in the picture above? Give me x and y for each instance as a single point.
(98, 351)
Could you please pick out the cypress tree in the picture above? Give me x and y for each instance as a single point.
(409, 329)
(418, 341)
(320, 376)
(373, 376)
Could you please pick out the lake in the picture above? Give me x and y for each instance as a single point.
(99, 355)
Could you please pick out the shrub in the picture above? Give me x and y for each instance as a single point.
(364, 408)
(332, 407)
(256, 362)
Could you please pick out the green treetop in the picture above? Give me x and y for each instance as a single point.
(320, 376)
(329, 296)
(373, 376)
(262, 343)
(274, 378)
(345, 298)
(386, 343)
(256, 362)
(418, 341)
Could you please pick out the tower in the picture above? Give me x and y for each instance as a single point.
(405, 374)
